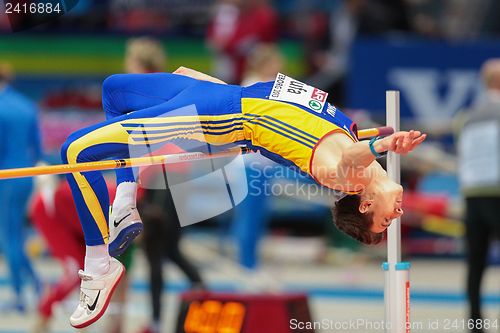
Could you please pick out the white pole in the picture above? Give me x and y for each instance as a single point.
(396, 291)
(394, 173)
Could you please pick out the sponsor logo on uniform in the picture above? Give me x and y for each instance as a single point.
(319, 95)
(315, 105)
(331, 110)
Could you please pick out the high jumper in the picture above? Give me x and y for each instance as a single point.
(285, 120)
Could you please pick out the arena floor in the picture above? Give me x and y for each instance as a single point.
(342, 291)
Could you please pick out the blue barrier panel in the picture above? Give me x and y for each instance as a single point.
(436, 78)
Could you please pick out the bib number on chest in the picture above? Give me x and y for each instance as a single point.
(286, 89)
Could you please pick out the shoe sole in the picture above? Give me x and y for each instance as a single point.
(106, 304)
(124, 238)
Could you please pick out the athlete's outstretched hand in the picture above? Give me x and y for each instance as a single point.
(403, 142)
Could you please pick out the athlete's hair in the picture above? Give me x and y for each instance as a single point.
(147, 52)
(350, 220)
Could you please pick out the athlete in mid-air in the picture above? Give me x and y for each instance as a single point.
(285, 120)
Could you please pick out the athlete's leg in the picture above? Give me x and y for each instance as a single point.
(124, 93)
(112, 139)
(102, 274)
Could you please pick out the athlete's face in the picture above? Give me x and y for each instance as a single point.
(385, 204)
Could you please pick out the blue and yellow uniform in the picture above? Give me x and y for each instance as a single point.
(148, 110)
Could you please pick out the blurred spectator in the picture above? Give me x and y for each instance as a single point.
(454, 19)
(264, 62)
(81, 16)
(351, 19)
(4, 21)
(54, 215)
(479, 166)
(142, 15)
(382, 16)
(19, 147)
(236, 28)
(310, 23)
(144, 55)
(161, 226)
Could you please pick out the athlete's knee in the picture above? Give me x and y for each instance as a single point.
(70, 153)
(64, 150)
(109, 88)
(112, 83)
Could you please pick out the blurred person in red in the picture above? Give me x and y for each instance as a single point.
(479, 176)
(162, 231)
(53, 213)
(20, 146)
(236, 28)
(136, 16)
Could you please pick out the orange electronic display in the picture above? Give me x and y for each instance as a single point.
(241, 313)
(211, 316)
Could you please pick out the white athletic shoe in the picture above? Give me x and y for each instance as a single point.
(95, 294)
(124, 226)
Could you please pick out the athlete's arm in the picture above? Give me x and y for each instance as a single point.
(197, 75)
(341, 164)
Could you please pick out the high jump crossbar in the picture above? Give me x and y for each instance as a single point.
(148, 160)
(397, 277)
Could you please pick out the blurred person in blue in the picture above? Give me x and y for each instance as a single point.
(19, 147)
(479, 174)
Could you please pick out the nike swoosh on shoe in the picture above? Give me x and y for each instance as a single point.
(92, 307)
(116, 224)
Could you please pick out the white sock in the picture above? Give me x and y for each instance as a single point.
(97, 260)
(126, 195)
